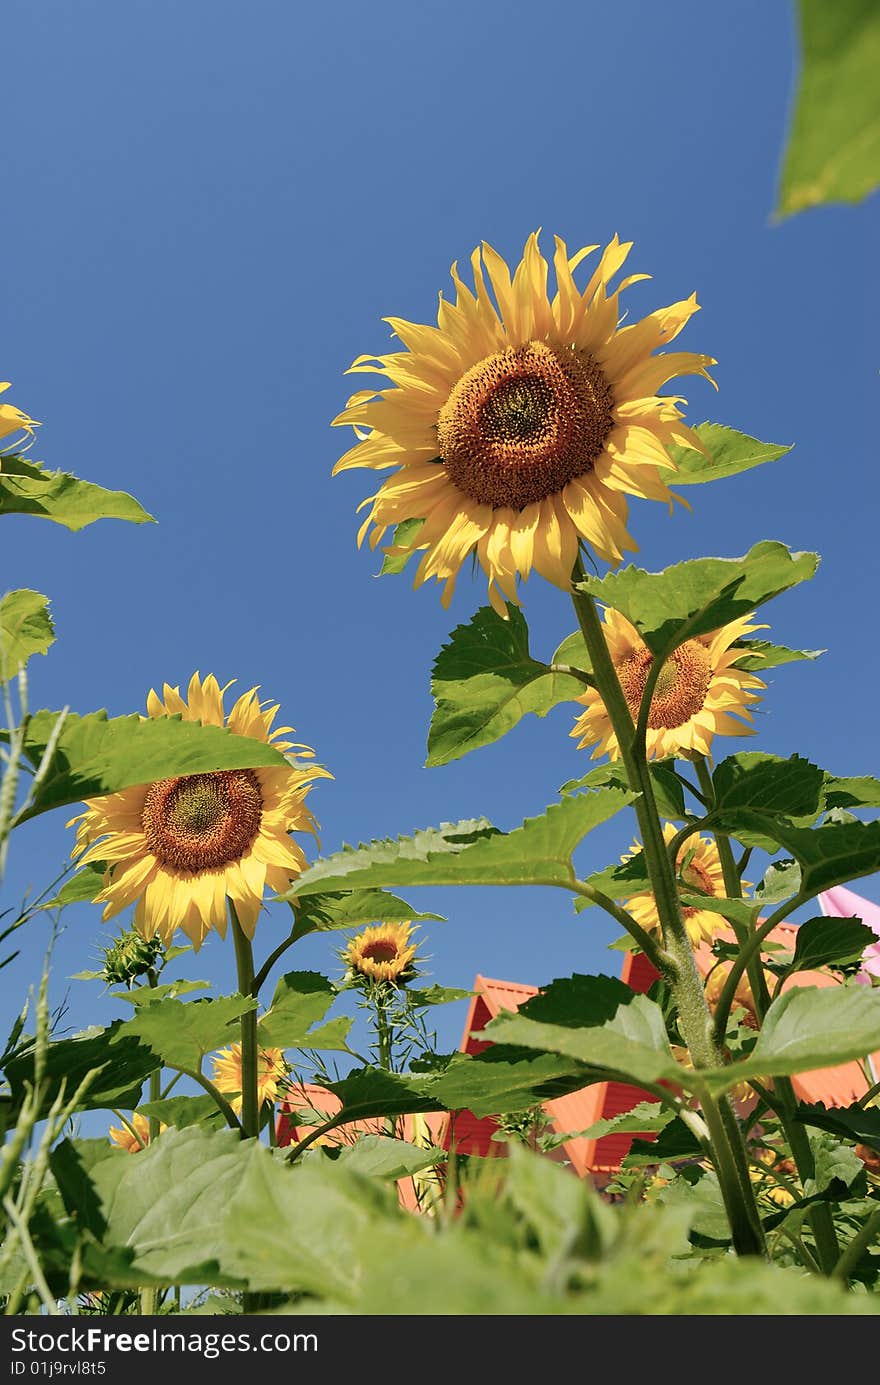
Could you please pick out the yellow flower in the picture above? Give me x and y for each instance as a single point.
(271, 1071)
(767, 1183)
(384, 952)
(699, 868)
(180, 846)
(699, 692)
(741, 996)
(122, 1137)
(12, 420)
(518, 427)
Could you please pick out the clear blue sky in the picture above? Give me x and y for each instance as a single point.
(208, 209)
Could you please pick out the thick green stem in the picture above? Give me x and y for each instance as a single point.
(681, 972)
(244, 961)
(385, 1047)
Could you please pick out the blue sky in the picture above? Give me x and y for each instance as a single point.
(210, 207)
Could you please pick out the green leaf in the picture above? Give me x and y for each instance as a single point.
(404, 534)
(731, 453)
(25, 628)
(301, 1000)
(832, 854)
(742, 911)
(831, 942)
(804, 1029)
(766, 786)
(855, 791)
(646, 1116)
(858, 1123)
(782, 880)
(352, 908)
(504, 1078)
(761, 654)
(575, 1001)
(436, 995)
(80, 888)
(181, 1111)
(153, 995)
(668, 788)
(699, 596)
(122, 1058)
(97, 755)
(368, 1091)
(181, 1032)
(675, 1143)
(472, 852)
(834, 1163)
(633, 1044)
(485, 680)
(27, 488)
(833, 152)
(379, 1156)
(618, 881)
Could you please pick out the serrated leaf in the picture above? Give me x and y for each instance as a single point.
(485, 680)
(832, 854)
(782, 880)
(436, 995)
(181, 1111)
(633, 1044)
(578, 1000)
(834, 1163)
(81, 888)
(123, 1058)
(472, 852)
(27, 488)
(755, 791)
(97, 755)
(833, 152)
(699, 596)
(352, 908)
(181, 1032)
(368, 1091)
(855, 791)
(804, 1029)
(731, 453)
(761, 654)
(828, 942)
(301, 1000)
(154, 995)
(859, 1123)
(404, 534)
(620, 880)
(504, 1079)
(646, 1116)
(379, 1156)
(25, 628)
(676, 1142)
(668, 789)
(742, 911)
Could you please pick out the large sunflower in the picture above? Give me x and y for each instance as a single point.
(518, 427)
(180, 846)
(271, 1072)
(699, 869)
(700, 692)
(12, 420)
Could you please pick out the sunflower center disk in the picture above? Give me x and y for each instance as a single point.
(522, 423)
(681, 687)
(381, 952)
(202, 821)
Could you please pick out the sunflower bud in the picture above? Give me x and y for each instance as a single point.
(129, 957)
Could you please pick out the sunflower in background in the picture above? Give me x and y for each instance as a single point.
(699, 868)
(271, 1074)
(517, 427)
(180, 847)
(384, 952)
(12, 420)
(135, 1138)
(699, 694)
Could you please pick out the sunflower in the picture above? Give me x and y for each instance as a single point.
(699, 869)
(136, 1139)
(271, 1072)
(742, 995)
(700, 693)
(518, 427)
(12, 420)
(384, 952)
(180, 846)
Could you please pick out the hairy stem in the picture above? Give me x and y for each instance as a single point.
(244, 961)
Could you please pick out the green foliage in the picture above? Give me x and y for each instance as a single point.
(699, 596)
(97, 755)
(830, 942)
(758, 655)
(504, 1079)
(833, 152)
(119, 1056)
(404, 533)
(181, 1111)
(27, 488)
(351, 909)
(668, 788)
(485, 680)
(378, 1156)
(181, 1032)
(25, 628)
(860, 1123)
(472, 852)
(301, 1000)
(732, 452)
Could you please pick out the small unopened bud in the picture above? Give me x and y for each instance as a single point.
(129, 957)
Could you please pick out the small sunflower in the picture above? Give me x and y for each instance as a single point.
(271, 1072)
(517, 427)
(180, 846)
(12, 420)
(742, 995)
(699, 868)
(136, 1139)
(700, 693)
(384, 952)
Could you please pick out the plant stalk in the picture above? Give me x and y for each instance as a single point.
(244, 961)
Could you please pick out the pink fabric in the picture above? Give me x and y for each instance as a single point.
(843, 904)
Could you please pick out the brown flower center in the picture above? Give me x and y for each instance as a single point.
(681, 686)
(202, 821)
(381, 952)
(522, 423)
